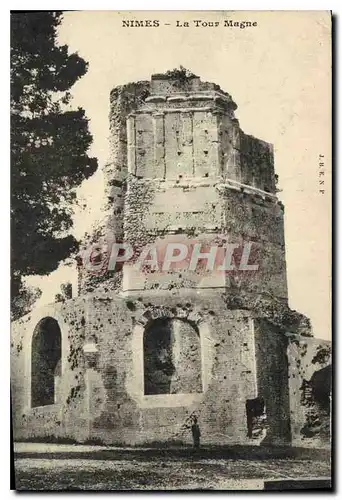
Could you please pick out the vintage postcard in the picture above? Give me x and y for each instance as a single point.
(171, 250)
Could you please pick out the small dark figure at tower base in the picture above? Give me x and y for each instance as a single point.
(196, 433)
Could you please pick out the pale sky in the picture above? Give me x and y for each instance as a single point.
(278, 73)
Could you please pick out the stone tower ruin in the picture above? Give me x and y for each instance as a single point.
(140, 353)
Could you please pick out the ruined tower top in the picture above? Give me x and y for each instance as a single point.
(181, 127)
(185, 84)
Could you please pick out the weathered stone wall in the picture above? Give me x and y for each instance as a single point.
(69, 416)
(259, 220)
(310, 380)
(257, 163)
(208, 213)
(102, 395)
(103, 392)
(123, 100)
(227, 375)
(272, 376)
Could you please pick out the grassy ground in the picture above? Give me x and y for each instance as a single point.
(101, 468)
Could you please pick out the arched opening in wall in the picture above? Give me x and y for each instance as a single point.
(316, 394)
(172, 357)
(45, 362)
(321, 388)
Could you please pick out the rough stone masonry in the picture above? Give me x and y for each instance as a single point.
(135, 356)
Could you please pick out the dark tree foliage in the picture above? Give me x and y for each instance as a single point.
(49, 144)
